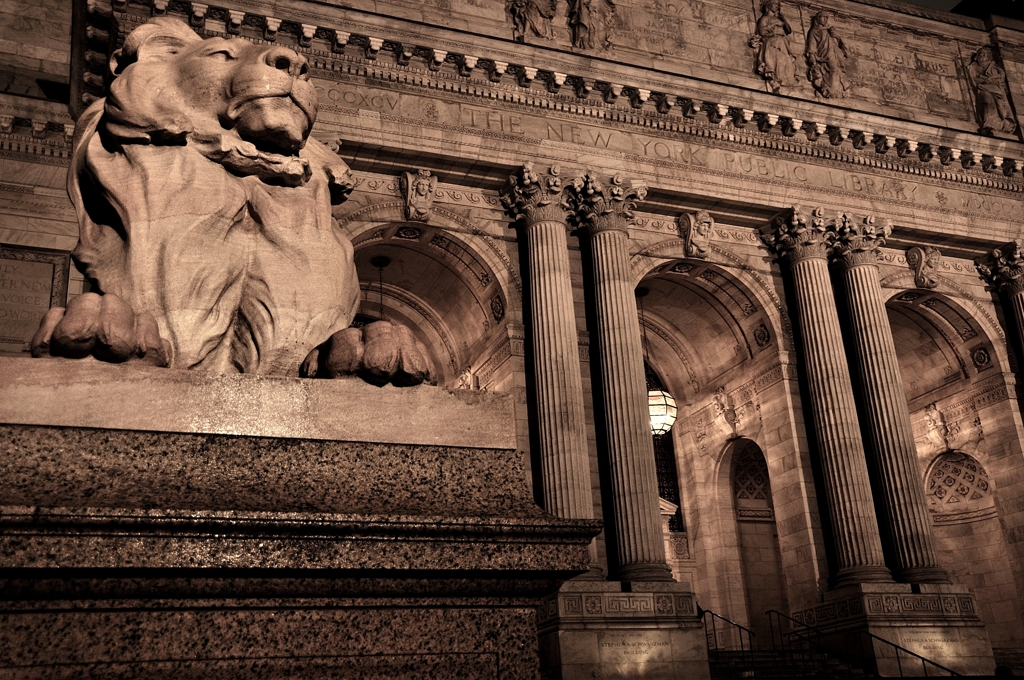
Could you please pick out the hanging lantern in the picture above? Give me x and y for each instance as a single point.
(663, 411)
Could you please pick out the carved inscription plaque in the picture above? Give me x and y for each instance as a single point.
(638, 647)
(30, 282)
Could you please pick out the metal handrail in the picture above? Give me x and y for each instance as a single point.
(801, 635)
(746, 649)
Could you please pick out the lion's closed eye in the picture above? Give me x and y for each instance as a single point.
(223, 55)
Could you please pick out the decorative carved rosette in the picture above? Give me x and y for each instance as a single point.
(1004, 268)
(857, 243)
(793, 239)
(598, 207)
(530, 197)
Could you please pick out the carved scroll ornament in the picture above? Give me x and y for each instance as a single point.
(925, 263)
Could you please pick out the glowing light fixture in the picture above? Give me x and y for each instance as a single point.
(663, 411)
(660, 404)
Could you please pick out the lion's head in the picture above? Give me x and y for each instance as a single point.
(170, 83)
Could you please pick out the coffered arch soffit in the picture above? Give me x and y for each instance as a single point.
(363, 223)
(441, 284)
(942, 347)
(665, 255)
(702, 322)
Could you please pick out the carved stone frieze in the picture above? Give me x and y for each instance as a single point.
(533, 197)
(599, 207)
(1004, 268)
(925, 262)
(418, 189)
(826, 56)
(695, 229)
(858, 242)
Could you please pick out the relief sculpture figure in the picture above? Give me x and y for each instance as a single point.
(775, 62)
(992, 105)
(530, 15)
(205, 220)
(589, 26)
(826, 57)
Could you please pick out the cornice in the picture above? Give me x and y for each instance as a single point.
(625, 106)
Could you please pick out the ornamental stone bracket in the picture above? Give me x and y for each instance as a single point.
(90, 63)
(925, 261)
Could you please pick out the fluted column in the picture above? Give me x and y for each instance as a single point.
(606, 211)
(883, 400)
(805, 246)
(1004, 269)
(536, 202)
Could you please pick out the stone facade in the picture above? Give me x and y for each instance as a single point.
(823, 203)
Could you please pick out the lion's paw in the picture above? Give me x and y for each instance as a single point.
(379, 353)
(103, 326)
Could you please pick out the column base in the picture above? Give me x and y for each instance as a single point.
(939, 623)
(924, 575)
(853, 576)
(603, 630)
(658, 571)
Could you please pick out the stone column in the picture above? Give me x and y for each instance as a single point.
(536, 202)
(1004, 269)
(605, 211)
(883, 401)
(804, 247)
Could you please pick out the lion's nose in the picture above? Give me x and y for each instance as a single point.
(284, 59)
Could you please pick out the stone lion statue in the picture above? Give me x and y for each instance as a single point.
(205, 221)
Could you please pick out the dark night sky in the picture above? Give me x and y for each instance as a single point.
(944, 5)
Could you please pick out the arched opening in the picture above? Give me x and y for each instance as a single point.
(948, 363)
(437, 285)
(760, 557)
(716, 348)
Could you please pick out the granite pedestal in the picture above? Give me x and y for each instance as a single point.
(159, 522)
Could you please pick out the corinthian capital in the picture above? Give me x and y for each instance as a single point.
(1004, 268)
(602, 207)
(856, 243)
(793, 238)
(532, 197)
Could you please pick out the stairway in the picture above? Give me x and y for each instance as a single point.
(734, 665)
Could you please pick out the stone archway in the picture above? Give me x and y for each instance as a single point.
(969, 456)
